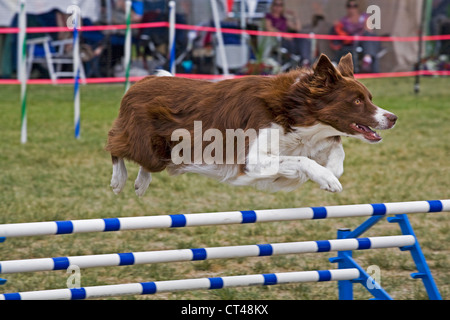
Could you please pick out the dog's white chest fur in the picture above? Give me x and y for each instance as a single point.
(305, 153)
(312, 142)
(293, 158)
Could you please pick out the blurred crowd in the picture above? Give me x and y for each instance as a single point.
(196, 51)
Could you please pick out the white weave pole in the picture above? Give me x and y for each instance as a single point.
(76, 76)
(243, 27)
(172, 43)
(22, 67)
(127, 47)
(186, 284)
(215, 12)
(165, 256)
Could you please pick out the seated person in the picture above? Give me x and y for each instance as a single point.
(279, 20)
(116, 39)
(355, 24)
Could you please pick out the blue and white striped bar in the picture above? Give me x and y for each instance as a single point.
(134, 258)
(220, 218)
(186, 284)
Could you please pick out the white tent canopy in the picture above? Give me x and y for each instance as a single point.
(8, 8)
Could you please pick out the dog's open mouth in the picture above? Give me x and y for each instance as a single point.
(368, 133)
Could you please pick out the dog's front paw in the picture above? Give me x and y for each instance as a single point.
(332, 185)
(327, 181)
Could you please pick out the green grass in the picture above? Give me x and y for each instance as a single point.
(55, 177)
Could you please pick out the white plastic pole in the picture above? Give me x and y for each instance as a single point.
(219, 35)
(127, 47)
(172, 16)
(76, 70)
(165, 256)
(185, 284)
(22, 67)
(244, 36)
(219, 218)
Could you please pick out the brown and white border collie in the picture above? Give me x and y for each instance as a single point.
(310, 109)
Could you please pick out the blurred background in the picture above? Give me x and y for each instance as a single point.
(56, 177)
(197, 51)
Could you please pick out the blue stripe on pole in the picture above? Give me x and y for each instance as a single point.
(126, 259)
(265, 250)
(198, 254)
(248, 216)
(75, 30)
(112, 224)
(64, 227)
(77, 129)
(435, 206)
(364, 243)
(324, 275)
(76, 92)
(178, 221)
(319, 212)
(60, 263)
(379, 209)
(172, 57)
(77, 83)
(215, 283)
(323, 246)
(148, 287)
(78, 294)
(12, 296)
(270, 279)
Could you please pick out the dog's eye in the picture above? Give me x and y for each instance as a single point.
(358, 101)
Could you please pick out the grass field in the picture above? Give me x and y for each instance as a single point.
(55, 177)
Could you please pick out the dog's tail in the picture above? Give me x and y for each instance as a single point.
(163, 73)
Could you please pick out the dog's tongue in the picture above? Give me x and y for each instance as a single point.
(369, 133)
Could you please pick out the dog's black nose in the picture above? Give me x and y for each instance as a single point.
(391, 117)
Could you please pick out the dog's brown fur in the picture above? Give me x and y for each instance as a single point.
(155, 107)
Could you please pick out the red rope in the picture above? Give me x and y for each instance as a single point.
(221, 77)
(230, 31)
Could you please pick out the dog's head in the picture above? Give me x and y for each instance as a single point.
(338, 100)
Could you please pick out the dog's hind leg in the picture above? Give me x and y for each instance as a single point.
(142, 181)
(119, 176)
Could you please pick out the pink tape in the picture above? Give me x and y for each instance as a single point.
(214, 77)
(230, 31)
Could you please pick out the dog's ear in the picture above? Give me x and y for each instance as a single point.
(346, 65)
(325, 70)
